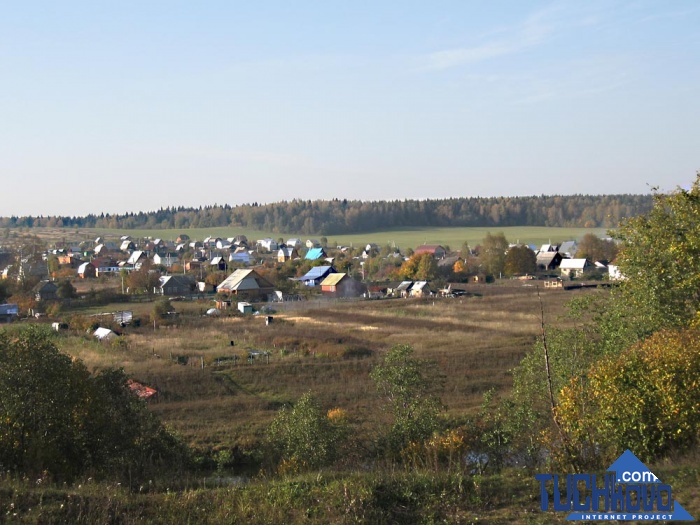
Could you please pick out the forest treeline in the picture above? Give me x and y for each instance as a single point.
(324, 217)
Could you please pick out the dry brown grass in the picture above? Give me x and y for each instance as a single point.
(328, 349)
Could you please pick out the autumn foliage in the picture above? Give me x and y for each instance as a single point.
(646, 399)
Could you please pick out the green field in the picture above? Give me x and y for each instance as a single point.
(407, 238)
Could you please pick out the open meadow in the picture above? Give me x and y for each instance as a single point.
(216, 397)
(404, 238)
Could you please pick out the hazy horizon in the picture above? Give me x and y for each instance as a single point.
(128, 107)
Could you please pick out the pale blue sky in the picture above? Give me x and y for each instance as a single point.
(135, 105)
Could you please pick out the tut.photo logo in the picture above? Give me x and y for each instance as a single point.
(628, 491)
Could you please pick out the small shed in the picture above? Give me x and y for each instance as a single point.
(245, 308)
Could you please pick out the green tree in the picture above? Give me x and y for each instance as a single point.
(66, 290)
(427, 268)
(143, 280)
(493, 253)
(520, 260)
(408, 385)
(40, 390)
(56, 417)
(52, 264)
(161, 308)
(660, 256)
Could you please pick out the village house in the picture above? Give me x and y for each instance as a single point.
(170, 285)
(316, 275)
(219, 263)
(268, 244)
(548, 248)
(195, 264)
(437, 251)
(166, 259)
(403, 289)
(87, 270)
(136, 258)
(286, 253)
(239, 257)
(548, 261)
(247, 285)
(28, 270)
(127, 246)
(575, 268)
(420, 289)
(69, 260)
(314, 254)
(105, 265)
(45, 291)
(568, 249)
(342, 285)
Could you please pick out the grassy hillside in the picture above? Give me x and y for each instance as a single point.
(222, 408)
(326, 347)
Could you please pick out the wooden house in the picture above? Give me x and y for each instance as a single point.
(342, 285)
(420, 289)
(87, 270)
(45, 291)
(575, 268)
(437, 251)
(246, 284)
(286, 253)
(171, 285)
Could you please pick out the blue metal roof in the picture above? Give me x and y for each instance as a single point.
(317, 273)
(314, 253)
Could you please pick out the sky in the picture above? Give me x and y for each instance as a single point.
(113, 107)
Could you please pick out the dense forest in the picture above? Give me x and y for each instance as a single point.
(343, 216)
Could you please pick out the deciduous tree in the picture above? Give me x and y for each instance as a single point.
(408, 385)
(594, 248)
(520, 260)
(493, 253)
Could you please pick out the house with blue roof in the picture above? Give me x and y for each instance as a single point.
(315, 254)
(316, 275)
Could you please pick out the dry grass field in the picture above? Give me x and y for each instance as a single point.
(212, 394)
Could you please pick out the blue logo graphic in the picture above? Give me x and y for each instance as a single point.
(629, 491)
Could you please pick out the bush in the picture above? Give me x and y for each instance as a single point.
(303, 437)
(646, 399)
(56, 417)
